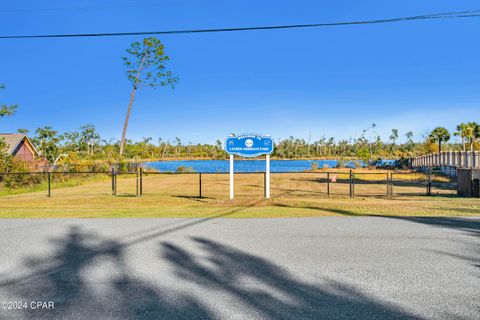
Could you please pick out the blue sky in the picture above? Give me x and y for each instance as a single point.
(329, 81)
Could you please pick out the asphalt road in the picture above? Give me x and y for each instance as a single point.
(308, 268)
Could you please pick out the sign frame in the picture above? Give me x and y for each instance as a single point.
(259, 145)
(266, 148)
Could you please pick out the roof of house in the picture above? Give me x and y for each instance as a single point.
(14, 139)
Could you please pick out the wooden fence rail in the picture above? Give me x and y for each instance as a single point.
(453, 159)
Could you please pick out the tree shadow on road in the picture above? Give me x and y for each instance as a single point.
(61, 278)
(469, 226)
(266, 290)
(252, 284)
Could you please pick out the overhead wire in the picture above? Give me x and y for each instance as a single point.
(445, 15)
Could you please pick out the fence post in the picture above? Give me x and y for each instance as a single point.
(265, 184)
(429, 183)
(113, 181)
(388, 185)
(353, 184)
(141, 181)
(350, 184)
(328, 184)
(391, 184)
(49, 187)
(136, 181)
(199, 185)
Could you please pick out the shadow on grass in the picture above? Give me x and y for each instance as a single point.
(295, 192)
(466, 210)
(319, 208)
(434, 195)
(418, 183)
(194, 198)
(127, 195)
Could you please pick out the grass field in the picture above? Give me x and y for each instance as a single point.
(293, 195)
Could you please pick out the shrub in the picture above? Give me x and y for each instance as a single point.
(341, 164)
(356, 164)
(122, 167)
(16, 177)
(183, 169)
(364, 154)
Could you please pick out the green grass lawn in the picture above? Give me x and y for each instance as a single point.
(293, 195)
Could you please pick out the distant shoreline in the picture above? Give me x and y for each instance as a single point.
(250, 159)
(237, 158)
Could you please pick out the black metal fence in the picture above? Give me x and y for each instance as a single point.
(215, 184)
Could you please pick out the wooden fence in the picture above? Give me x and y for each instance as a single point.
(452, 159)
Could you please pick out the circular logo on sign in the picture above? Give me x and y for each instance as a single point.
(249, 143)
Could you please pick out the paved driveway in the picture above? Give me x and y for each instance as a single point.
(309, 268)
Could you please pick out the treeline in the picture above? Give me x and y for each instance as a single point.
(87, 144)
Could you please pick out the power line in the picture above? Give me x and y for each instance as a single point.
(66, 9)
(447, 15)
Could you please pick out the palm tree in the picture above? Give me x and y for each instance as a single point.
(476, 133)
(89, 137)
(439, 134)
(472, 132)
(462, 132)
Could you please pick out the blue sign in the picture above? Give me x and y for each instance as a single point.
(249, 145)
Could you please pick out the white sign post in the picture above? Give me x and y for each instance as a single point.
(231, 177)
(267, 178)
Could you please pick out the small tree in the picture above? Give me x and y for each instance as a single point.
(409, 135)
(47, 141)
(439, 134)
(364, 154)
(178, 147)
(3, 150)
(5, 110)
(146, 66)
(89, 138)
(393, 139)
(364, 140)
(72, 141)
(410, 143)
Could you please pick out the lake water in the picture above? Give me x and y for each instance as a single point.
(203, 166)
